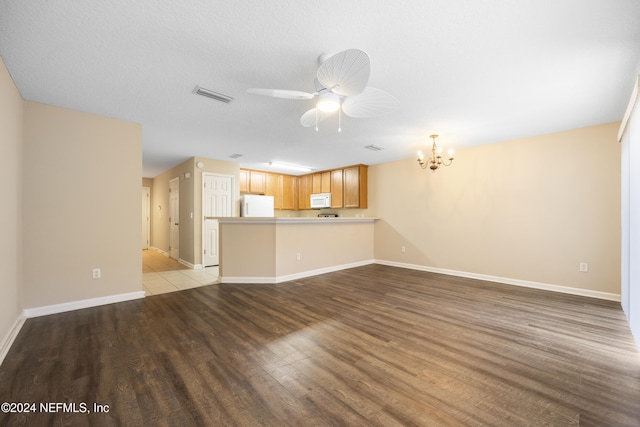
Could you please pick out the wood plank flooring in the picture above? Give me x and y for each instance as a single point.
(370, 346)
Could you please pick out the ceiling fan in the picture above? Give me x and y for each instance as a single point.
(341, 85)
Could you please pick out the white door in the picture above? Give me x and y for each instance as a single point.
(145, 217)
(217, 200)
(174, 218)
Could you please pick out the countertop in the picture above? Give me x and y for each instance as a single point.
(292, 220)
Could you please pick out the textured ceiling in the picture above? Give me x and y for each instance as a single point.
(475, 72)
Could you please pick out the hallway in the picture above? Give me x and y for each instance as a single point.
(161, 274)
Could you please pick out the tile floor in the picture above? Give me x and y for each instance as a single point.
(161, 274)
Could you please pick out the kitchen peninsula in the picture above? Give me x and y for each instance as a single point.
(274, 250)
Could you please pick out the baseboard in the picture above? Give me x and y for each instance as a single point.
(295, 276)
(77, 305)
(506, 281)
(8, 340)
(153, 248)
(191, 266)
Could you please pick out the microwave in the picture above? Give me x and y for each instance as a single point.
(320, 200)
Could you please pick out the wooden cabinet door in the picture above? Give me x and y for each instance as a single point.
(305, 187)
(274, 188)
(257, 182)
(336, 189)
(325, 185)
(289, 192)
(244, 181)
(316, 183)
(355, 187)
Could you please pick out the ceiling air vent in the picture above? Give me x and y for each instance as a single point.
(236, 155)
(373, 147)
(213, 95)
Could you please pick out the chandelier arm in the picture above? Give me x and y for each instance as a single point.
(436, 160)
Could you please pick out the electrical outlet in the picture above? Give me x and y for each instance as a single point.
(403, 249)
(96, 273)
(584, 267)
(298, 256)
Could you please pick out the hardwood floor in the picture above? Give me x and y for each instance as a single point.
(369, 346)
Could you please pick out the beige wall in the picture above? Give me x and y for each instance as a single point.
(268, 250)
(530, 209)
(247, 250)
(81, 205)
(160, 210)
(322, 245)
(190, 205)
(11, 136)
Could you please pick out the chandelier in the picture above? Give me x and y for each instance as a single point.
(435, 161)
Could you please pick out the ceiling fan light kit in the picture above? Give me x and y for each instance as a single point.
(328, 102)
(341, 85)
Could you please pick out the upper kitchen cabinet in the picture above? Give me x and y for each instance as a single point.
(321, 182)
(336, 189)
(289, 192)
(348, 187)
(284, 189)
(305, 188)
(355, 186)
(273, 187)
(254, 182)
(257, 182)
(244, 181)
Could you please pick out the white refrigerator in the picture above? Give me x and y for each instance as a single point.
(256, 206)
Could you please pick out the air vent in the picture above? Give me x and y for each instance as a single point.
(213, 95)
(373, 147)
(236, 155)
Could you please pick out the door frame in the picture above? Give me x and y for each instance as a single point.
(171, 220)
(233, 187)
(148, 211)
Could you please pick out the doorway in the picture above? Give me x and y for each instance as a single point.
(174, 218)
(217, 201)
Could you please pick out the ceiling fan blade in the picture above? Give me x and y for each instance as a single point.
(345, 73)
(282, 93)
(371, 102)
(308, 119)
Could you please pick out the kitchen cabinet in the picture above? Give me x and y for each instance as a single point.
(257, 182)
(336, 188)
(325, 186)
(244, 181)
(348, 187)
(254, 182)
(283, 188)
(273, 187)
(355, 186)
(289, 186)
(304, 191)
(316, 183)
(321, 182)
